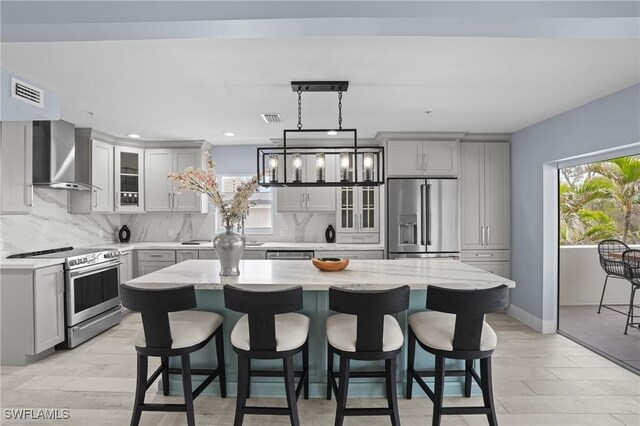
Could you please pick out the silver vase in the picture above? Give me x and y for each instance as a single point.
(229, 246)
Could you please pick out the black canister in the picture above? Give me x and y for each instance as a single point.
(124, 234)
(330, 234)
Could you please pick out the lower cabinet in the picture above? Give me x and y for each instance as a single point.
(207, 254)
(32, 313)
(182, 255)
(48, 307)
(254, 254)
(154, 260)
(352, 254)
(126, 269)
(494, 261)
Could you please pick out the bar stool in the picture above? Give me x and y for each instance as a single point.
(364, 330)
(631, 260)
(269, 330)
(455, 328)
(610, 254)
(170, 329)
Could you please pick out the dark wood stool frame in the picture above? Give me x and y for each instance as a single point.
(610, 255)
(154, 307)
(469, 306)
(631, 261)
(370, 307)
(261, 308)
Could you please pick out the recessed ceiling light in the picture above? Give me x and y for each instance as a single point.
(332, 132)
(229, 134)
(133, 135)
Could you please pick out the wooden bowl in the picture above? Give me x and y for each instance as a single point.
(330, 264)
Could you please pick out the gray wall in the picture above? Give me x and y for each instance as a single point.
(606, 123)
(235, 159)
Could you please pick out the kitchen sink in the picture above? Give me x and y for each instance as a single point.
(254, 243)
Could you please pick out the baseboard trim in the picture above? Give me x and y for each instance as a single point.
(538, 324)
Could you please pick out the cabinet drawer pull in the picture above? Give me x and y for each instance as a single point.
(155, 255)
(484, 255)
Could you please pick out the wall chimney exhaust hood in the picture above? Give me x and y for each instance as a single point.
(54, 155)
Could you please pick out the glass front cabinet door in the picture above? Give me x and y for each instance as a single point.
(358, 209)
(129, 195)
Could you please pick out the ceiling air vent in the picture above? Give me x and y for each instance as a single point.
(271, 117)
(27, 93)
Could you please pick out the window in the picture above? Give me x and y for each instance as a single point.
(260, 217)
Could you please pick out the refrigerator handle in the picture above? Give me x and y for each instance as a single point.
(428, 214)
(422, 214)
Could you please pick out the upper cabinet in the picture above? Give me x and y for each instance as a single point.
(159, 190)
(422, 158)
(129, 179)
(308, 199)
(94, 159)
(358, 215)
(16, 161)
(484, 190)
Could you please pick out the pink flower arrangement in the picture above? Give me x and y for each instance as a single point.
(205, 182)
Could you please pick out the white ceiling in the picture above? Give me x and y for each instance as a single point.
(200, 88)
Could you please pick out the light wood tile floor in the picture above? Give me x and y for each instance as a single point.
(538, 380)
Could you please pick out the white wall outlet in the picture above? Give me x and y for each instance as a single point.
(100, 233)
(284, 232)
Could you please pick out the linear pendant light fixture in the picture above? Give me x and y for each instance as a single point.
(320, 157)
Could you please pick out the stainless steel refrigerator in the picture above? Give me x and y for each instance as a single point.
(422, 218)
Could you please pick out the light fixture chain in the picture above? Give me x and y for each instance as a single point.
(340, 109)
(299, 109)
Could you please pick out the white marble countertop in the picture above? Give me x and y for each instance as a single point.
(29, 263)
(361, 274)
(43, 263)
(265, 246)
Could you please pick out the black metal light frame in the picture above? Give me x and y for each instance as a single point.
(286, 152)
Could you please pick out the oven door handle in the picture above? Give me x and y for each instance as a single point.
(76, 274)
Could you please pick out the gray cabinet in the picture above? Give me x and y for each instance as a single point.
(129, 179)
(422, 158)
(484, 195)
(254, 254)
(16, 163)
(182, 255)
(32, 313)
(309, 199)
(352, 254)
(126, 269)
(48, 307)
(154, 260)
(159, 191)
(358, 215)
(207, 254)
(94, 163)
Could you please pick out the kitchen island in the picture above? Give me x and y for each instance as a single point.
(360, 274)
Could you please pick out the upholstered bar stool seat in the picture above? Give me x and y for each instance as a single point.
(363, 329)
(342, 332)
(188, 328)
(170, 328)
(269, 330)
(437, 329)
(292, 330)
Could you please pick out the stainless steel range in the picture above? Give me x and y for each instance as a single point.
(92, 279)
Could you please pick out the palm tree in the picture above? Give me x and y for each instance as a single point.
(624, 175)
(575, 217)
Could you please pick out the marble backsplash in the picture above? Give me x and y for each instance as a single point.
(287, 227)
(49, 225)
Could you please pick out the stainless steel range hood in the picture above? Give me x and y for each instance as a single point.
(54, 156)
